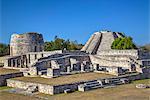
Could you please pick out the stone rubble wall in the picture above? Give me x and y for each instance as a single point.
(60, 88)
(8, 76)
(103, 62)
(110, 70)
(40, 55)
(133, 53)
(144, 55)
(63, 61)
(44, 88)
(136, 76)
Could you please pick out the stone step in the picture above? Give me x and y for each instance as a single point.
(93, 43)
(107, 39)
(87, 43)
(92, 85)
(93, 82)
(99, 86)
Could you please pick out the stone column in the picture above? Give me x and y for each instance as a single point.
(6, 63)
(72, 62)
(50, 72)
(26, 62)
(68, 69)
(82, 67)
(20, 63)
(11, 62)
(16, 63)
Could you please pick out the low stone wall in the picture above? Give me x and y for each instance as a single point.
(19, 84)
(105, 62)
(136, 76)
(8, 76)
(46, 89)
(43, 88)
(56, 89)
(61, 88)
(119, 52)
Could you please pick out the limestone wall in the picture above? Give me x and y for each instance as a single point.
(133, 53)
(8, 76)
(28, 42)
(144, 55)
(49, 89)
(136, 76)
(34, 56)
(43, 88)
(105, 62)
(61, 88)
(19, 84)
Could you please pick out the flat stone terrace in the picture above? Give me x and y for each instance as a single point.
(7, 71)
(64, 79)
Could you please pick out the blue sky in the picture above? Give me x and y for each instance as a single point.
(75, 19)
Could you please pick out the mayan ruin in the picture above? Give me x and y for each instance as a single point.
(107, 67)
(23, 43)
(75, 50)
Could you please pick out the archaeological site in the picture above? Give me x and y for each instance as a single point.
(96, 65)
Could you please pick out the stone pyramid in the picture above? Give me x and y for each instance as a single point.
(100, 41)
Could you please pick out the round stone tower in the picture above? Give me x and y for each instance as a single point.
(27, 42)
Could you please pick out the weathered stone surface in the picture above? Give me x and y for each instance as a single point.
(53, 72)
(100, 41)
(28, 42)
(8, 76)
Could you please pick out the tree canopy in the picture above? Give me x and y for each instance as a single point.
(60, 44)
(123, 43)
(4, 49)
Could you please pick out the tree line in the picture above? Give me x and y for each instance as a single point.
(61, 44)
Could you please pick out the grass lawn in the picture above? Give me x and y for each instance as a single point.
(10, 96)
(7, 71)
(64, 79)
(122, 92)
(4, 87)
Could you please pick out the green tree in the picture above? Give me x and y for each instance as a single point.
(60, 44)
(123, 43)
(4, 49)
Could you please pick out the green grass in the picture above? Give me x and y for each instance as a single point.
(144, 81)
(4, 87)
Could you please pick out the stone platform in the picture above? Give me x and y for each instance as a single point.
(55, 85)
(64, 79)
